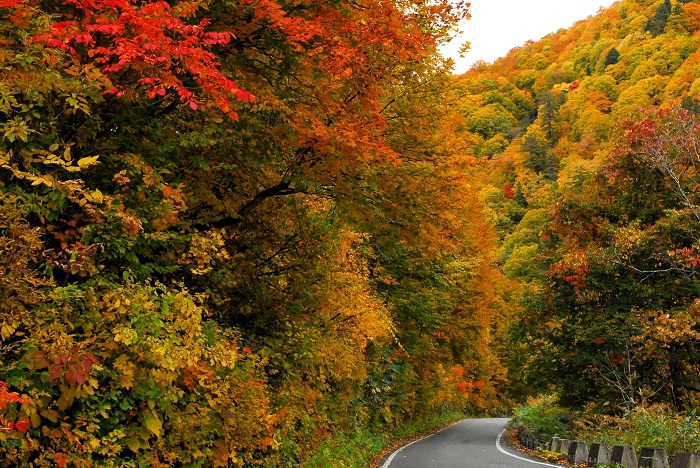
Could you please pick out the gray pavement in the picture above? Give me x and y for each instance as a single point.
(471, 443)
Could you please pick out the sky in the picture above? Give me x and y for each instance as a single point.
(497, 26)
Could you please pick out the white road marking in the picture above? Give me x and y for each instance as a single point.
(498, 446)
(500, 449)
(389, 460)
(391, 457)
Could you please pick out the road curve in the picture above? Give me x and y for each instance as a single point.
(471, 443)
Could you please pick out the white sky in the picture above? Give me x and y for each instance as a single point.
(497, 26)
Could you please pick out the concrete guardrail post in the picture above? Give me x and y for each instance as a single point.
(686, 460)
(578, 452)
(653, 458)
(599, 453)
(625, 456)
(555, 444)
(564, 446)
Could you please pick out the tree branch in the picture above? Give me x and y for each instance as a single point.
(283, 188)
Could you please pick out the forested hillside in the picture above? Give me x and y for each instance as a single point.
(588, 148)
(230, 230)
(237, 232)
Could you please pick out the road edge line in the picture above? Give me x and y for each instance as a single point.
(502, 450)
(395, 452)
(391, 457)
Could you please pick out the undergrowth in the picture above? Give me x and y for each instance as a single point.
(645, 426)
(357, 448)
(542, 419)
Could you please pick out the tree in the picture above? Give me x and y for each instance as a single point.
(205, 210)
(620, 250)
(657, 23)
(519, 196)
(691, 105)
(611, 57)
(539, 157)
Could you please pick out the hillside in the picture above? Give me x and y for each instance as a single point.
(592, 189)
(280, 233)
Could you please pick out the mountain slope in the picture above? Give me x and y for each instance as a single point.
(582, 208)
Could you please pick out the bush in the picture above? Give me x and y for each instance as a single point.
(542, 419)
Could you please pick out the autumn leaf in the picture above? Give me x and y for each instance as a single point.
(60, 459)
(22, 425)
(87, 162)
(153, 424)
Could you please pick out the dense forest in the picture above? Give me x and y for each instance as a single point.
(589, 159)
(233, 231)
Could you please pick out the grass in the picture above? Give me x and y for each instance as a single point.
(360, 447)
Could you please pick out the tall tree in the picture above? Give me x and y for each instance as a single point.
(657, 23)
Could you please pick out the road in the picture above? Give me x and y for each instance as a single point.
(471, 443)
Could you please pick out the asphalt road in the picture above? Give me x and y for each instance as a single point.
(472, 443)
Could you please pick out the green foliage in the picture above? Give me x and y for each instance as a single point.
(357, 448)
(657, 23)
(611, 57)
(493, 146)
(490, 120)
(691, 105)
(542, 419)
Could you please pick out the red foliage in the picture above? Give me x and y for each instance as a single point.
(21, 425)
(11, 397)
(60, 459)
(74, 368)
(151, 38)
(573, 270)
(508, 192)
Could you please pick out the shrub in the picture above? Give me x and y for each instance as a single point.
(542, 419)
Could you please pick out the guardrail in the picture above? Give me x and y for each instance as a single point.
(577, 451)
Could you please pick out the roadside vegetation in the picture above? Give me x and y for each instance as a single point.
(645, 426)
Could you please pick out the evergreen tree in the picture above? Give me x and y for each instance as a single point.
(657, 24)
(548, 116)
(612, 57)
(520, 196)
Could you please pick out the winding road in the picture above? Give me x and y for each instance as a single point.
(471, 443)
